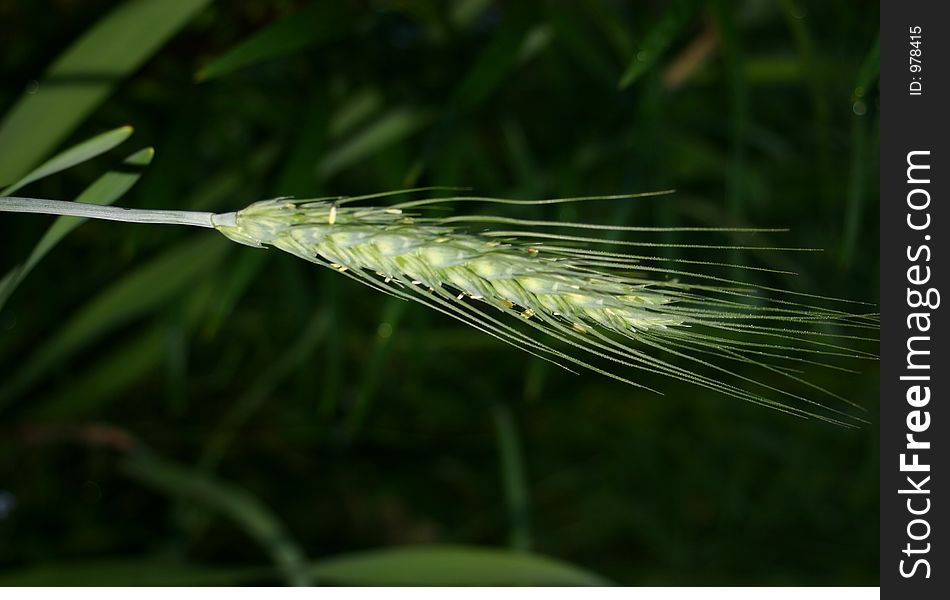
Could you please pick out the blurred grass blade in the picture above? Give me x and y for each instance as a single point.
(514, 479)
(375, 363)
(658, 39)
(857, 173)
(392, 127)
(113, 373)
(105, 190)
(71, 157)
(609, 19)
(241, 274)
(802, 35)
(243, 509)
(131, 573)
(355, 109)
(491, 67)
(583, 43)
(319, 23)
(143, 290)
(451, 566)
(84, 75)
(737, 182)
(463, 14)
(870, 69)
(417, 565)
(260, 389)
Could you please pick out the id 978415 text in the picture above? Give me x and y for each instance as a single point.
(915, 61)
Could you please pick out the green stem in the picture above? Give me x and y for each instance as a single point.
(114, 213)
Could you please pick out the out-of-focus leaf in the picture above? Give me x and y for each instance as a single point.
(260, 388)
(357, 107)
(536, 40)
(297, 176)
(143, 290)
(857, 176)
(234, 503)
(870, 69)
(115, 372)
(738, 173)
(773, 69)
(73, 156)
(319, 23)
(658, 39)
(513, 476)
(609, 18)
(390, 128)
(111, 374)
(491, 66)
(463, 13)
(229, 290)
(584, 45)
(376, 362)
(84, 75)
(105, 190)
(804, 38)
(416, 565)
(451, 565)
(123, 572)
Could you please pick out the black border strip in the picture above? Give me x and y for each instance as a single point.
(914, 127)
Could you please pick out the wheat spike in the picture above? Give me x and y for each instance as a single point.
(557, 296)
(531, 294)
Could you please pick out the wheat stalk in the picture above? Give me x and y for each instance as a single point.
(552, 295)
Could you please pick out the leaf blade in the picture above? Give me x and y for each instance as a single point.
(244, 509)
(319, 23)
(141, 291)
(658, 40)
(105, 190)
(451, 565)
(73, 156)
(390, 128)
(84, 75)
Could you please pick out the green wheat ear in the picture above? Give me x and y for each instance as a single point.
(555, 296)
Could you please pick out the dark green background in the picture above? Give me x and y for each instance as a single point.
(362, 422)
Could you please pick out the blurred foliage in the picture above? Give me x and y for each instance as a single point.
(174, 408)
